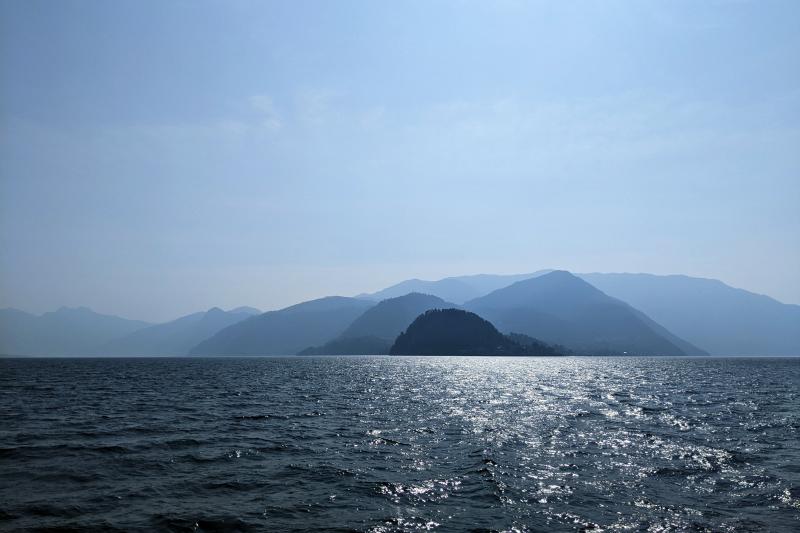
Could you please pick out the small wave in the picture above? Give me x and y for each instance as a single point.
(8, 452)
(177, 444)
(68, 477)
(387, 441)
(262, 417)
(69, 511)
(5, 515)
(234, 486)
(202, 525)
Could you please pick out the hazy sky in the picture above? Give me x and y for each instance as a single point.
(157, 158)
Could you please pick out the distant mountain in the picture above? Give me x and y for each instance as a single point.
(67, 331)
(18, 332)
(246, 310)
(391, 317)
(458, 332)
(450, 289)
(560, 308)
(708, 313)
(456, 289)
(178, 336)
(287, 331)
(374, 331)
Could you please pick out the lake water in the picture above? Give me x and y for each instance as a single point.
(400, 444)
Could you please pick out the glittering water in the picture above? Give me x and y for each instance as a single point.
(400, 444)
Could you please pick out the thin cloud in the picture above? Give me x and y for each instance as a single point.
(265, 106)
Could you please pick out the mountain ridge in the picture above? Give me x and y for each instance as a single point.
(722, 319)
(67, 331)
(457, 289)
(374, 331)
(285, 331)
(560, 308)
(693, 314)
(175, 337)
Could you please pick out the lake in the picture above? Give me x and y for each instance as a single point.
(400, 444)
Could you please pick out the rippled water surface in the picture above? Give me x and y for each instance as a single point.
(400, 444)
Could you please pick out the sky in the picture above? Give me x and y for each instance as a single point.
(162, 157)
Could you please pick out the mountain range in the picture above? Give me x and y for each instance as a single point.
(178, 336)
(67, 331)
(376, 329)
(560, 308)
(286, 331)
(553, 307)
(706, 313)
(721, 319)
(457, 289)
(594, 313)
(82, 332)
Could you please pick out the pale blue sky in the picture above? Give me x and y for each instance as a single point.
(162, 157)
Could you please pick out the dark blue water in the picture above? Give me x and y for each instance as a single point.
(400, 444)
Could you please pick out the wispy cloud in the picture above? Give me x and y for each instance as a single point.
(265, 106)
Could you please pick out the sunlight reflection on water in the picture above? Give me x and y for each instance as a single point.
(402, 444)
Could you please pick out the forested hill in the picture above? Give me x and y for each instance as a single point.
(458, 332)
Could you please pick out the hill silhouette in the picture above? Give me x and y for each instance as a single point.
(611, 314)
(459, 332)
(456, 289)
(287, 331)
(178, 336)
(376, 329)
(560, 308)
(697, 315)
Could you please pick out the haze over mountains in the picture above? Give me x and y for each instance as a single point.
(587, 313)
(374, 331)
(457, 289)
(708, 313)
(178, 336)
(555, 307)
(82, 332)
(286, 331)
(560, 308)
(67, 331)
